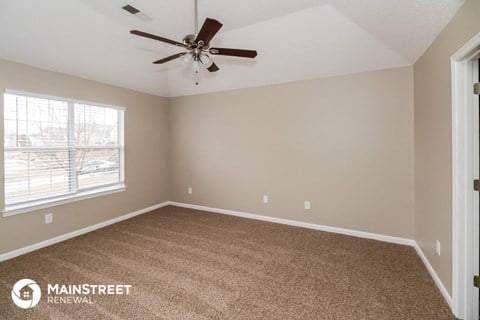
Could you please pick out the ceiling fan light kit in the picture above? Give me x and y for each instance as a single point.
(198, 48)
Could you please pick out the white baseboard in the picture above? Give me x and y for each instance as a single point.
(435, 277)
(360, 234)
(354, 233)
(63, 237)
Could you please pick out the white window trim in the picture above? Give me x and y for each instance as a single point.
(14, 209)
(43, 204)
(44, 96)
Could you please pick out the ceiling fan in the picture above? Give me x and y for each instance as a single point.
(197, 46)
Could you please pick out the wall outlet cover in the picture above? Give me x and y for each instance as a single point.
(48, 218)
(265, 199)
(307, 205)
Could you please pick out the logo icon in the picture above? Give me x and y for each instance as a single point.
(26, 293)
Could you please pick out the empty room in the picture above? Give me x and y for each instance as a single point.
(254, 159)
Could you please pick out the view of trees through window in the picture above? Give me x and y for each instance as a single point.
(54, 148)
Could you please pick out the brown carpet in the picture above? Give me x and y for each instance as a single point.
(188, 264)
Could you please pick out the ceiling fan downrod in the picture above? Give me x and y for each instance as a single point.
(196, 17)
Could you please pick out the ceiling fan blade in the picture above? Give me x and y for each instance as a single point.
(234, 52)
(170, 58)
(154, 37)
(209, 30)
(213, 68)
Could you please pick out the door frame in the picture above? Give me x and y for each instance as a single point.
(465, 200)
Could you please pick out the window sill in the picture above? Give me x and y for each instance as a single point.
(42, 204)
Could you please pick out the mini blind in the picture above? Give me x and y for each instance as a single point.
(55, 147)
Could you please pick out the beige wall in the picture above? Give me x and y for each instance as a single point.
(433, 139)
(145, 155)
(343, 143)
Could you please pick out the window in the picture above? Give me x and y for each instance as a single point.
(57, 149)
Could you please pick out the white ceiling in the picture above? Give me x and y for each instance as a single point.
(295, 40)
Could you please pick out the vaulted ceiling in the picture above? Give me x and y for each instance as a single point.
(295, 40)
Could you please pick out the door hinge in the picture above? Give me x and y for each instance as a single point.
(476, 185)
(476, 88)
(476, 281)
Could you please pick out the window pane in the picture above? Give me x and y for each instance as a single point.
(10, 107)
(96, 126)
(96, 167)
(47, 122)
(10, 133)
(33, 175)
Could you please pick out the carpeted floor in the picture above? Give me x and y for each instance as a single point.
(188, 264)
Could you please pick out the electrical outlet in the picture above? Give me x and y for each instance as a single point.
(48, 218)
(307, 205)
(438, 247)
(265, 199)
(190, 190)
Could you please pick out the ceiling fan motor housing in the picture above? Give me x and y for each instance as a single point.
(189, 39)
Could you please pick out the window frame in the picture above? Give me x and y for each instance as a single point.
(78, 194)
